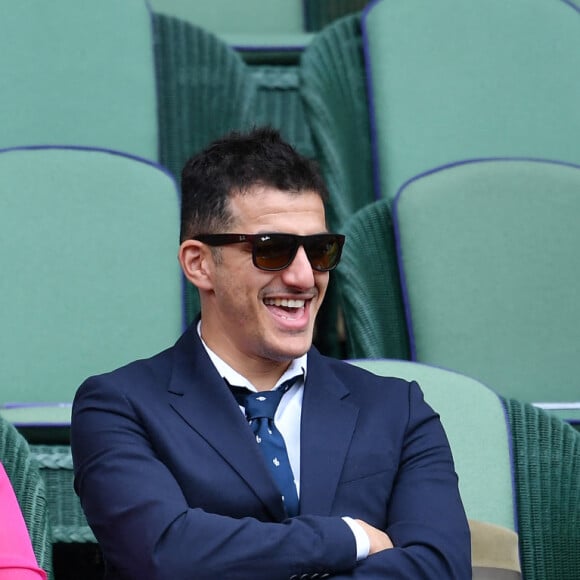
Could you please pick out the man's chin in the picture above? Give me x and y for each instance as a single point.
(289, 348)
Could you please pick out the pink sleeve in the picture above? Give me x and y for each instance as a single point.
(17, 560)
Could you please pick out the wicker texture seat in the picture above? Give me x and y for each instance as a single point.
(30, 491)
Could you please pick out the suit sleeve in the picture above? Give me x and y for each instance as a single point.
(145, 526)
(426, 519)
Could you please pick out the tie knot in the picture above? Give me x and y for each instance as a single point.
(264, 403)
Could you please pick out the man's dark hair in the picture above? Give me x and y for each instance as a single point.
(231, 166)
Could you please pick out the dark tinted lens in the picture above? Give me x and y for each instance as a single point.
(323, 251)
(274, 251)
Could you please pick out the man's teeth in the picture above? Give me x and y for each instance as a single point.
(285, 302)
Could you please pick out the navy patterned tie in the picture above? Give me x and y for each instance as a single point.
(260, 410)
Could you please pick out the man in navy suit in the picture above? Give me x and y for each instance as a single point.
(168, 462)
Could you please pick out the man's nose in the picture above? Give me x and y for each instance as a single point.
(299, 273)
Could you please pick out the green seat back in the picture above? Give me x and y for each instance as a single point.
(204, 91)
(546, 453)
(489, 258)
(78, 73)
(454, 80)
(474, 420)
(369, 286)
(321, 13)
(90, 278)
(334, 95)
(333, 88)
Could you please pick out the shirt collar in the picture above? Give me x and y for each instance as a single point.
(297, 367)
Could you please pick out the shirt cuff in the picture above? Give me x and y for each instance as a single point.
(363, 543)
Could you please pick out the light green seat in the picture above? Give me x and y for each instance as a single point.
(471, 414)
(488, 252)
(78, 73)
(90, 278)
(454, 80)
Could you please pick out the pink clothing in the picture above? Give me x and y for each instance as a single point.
(17, 560)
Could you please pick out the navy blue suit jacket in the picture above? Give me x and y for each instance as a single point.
(174, 486)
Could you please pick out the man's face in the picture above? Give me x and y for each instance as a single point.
(265, 315)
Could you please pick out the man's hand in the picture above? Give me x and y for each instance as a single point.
(379, 540)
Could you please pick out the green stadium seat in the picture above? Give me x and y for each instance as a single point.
(78, 73)
(454, 80)
(546, 455)
(90, 280)
(369, 286)
(488, 257)
(333, 88)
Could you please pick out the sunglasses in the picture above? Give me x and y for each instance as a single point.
(273, 252)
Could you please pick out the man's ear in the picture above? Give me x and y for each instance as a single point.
(196, 261)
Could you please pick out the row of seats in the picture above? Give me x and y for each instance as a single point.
(95, 104)
(466, 189)
(96, 243)
(133, 83)
(447, 132)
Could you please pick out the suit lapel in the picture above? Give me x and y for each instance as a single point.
(200, 396)
(328, 423)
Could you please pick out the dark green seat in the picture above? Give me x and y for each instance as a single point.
(30, 492)
(335, 104)
(546, 455)
(67, 520)
(369, 286)
(333, 88)
(321, 13)
(204, 91)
